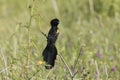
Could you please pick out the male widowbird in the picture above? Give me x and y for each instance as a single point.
(50, 52)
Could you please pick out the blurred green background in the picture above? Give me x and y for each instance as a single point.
(94, 24)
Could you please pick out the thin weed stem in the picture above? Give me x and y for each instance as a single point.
(69, 70)
(4, 70)
(97, 70)
(34, 74)
(43, 34)
(5, 63)
(76, 61)
(91, 6)
(28, 49)
(72, 74)
(49, 73)
(29, 40)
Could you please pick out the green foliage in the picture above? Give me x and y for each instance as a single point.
(94, 24)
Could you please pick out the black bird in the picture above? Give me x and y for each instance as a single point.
(50, 52)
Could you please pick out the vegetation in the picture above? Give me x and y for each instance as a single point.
(88, 43)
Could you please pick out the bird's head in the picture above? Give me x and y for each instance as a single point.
(54, 22)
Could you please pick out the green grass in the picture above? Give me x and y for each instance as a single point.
(21, 43)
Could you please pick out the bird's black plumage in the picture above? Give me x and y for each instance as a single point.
(50, 52)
